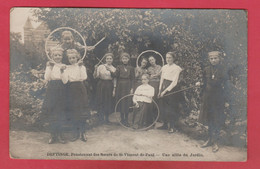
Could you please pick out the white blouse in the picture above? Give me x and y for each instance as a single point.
(103, 73)
(171, 73)
(144, 93)
(74, 73)
(53, 73)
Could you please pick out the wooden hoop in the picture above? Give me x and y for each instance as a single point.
(55, 30)
(137, 60)
(142, 129)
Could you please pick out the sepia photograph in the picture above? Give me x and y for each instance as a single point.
(128, 84)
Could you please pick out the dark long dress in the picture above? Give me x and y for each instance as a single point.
(155, 83)
(141, 115)
(125, 82)
(170, 104)
(213, 98)
(104, 92)
(77, 104)
(54, 106)
(104, 98)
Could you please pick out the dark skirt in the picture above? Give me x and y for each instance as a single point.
(212, 107)
(141, 115)
(155, 85)
(169, 105)
(123, 88)
(154, 112)
(77, 102)
(104, 97)
(54, 105)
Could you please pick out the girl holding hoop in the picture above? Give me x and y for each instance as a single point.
(54, 103)
(68, 42)
(77, 101)
(105, 87)
(125, 82)
(168, 83)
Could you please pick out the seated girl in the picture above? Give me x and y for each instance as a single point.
(143, 103)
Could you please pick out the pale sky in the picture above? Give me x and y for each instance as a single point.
(18, 17)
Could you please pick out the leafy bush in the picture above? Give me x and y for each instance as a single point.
(27, 90)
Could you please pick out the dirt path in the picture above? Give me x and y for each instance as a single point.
(107, 142)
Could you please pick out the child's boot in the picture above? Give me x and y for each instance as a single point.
(163, 127)
(215, 148)
(207, 143)
(52, 138)
(83, 137)
(60, 139)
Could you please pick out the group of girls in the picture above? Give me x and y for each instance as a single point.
(147, 85)
(67, 103)
(66, 95)
(66, 99)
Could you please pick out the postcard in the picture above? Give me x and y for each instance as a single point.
(128, 84)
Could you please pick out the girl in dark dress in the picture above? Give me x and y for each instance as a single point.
(139, 71)
(125, 82)
(213, 100)
(76, 98)
(168, 84)
(105, 88)
(155, 72)
(54, 103)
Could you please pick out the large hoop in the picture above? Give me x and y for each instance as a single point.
(142, 129)
(153, 51)
(55, 30)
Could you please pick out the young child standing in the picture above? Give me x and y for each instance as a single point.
(54, 103)
(213, 99)
(77, 101)
(125, 82)
(168, 84)
(143, 103)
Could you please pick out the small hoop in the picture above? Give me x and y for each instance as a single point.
(142, 129)
(55, 30)
(153, 51)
